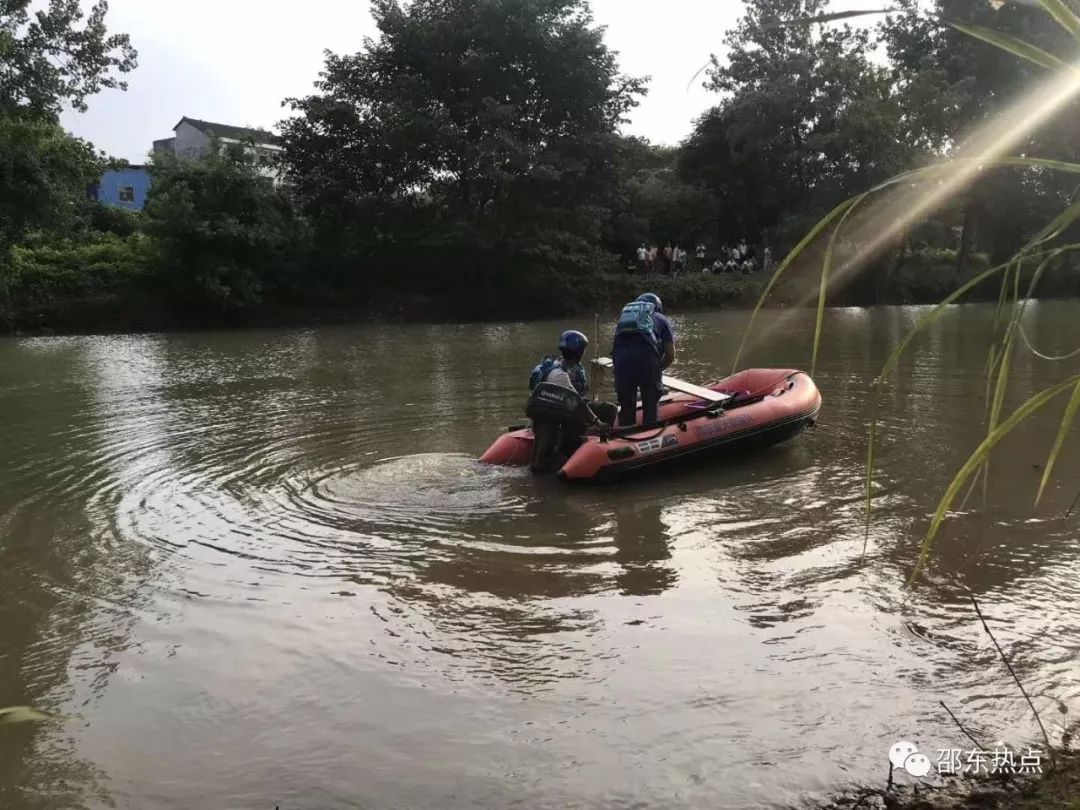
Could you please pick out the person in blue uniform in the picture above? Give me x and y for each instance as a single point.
(643, 347)
(558, 429)
(568, 371)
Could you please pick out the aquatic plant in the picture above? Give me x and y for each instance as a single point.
(875, 217)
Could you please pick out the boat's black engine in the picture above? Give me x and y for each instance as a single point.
(559, 416)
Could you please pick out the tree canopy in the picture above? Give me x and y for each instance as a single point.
(473, 157)
(58, 55)
(55, 56)
(485, 127)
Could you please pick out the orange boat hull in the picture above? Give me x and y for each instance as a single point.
(771, 406)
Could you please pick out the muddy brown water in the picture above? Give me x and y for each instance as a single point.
(263, 569)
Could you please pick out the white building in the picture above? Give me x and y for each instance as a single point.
(193, 139)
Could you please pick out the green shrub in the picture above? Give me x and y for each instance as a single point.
(226, 234)
(105, 265)
(115, 220)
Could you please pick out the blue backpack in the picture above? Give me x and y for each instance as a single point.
(539, 374)
(637, 319)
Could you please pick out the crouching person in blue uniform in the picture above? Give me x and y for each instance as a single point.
(644, 346)
(561, 407)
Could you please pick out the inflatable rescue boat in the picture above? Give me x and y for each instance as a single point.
(752, 409)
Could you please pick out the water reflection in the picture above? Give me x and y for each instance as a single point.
(66, 583)
(641, 539)
(251, 552)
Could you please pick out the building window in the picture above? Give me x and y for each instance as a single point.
(127, 194)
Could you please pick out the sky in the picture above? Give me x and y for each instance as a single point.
(233, 61)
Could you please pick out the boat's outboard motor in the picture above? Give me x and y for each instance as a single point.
(559, 416)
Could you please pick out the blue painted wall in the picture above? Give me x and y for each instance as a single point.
(132, 183)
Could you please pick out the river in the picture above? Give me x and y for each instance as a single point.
(263, 569)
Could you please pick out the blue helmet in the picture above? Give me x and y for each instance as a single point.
(652, 298)
(573, 343)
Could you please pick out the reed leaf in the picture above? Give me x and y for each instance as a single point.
(826, 269)
(897, 353)
(1015, 46)
(977, 459)
(923, 174)
(1004, 366)
(871, 449)
(1002, 294)
(890, 366)
(1063, 430)
(794, 254)
(991, 366)
(1000, 388)
(27, 714)
(894, 357)
(697, 73)
(1058, 225)
(1063, 15)
(1008, 346)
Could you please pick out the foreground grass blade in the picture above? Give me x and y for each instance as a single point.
(1000, 388)
(991, 367)
(897, 353)
(894, 357)
(794, 254)
(871, 447)
(1002, 383)
(1063, 15)
(1015, 46)
(27, 714)
(1066, 423)
(1009, 345)
(976, 460)
(1058, 225)
(1002, 295)
(826, 269)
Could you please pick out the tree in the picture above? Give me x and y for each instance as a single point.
(225, 233)
(474, 136)
(653, 204)
(44, 175)
(53, 57)
(48, 60)
(806, 119)
(950, 84)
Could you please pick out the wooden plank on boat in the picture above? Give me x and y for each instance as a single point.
(674, 384)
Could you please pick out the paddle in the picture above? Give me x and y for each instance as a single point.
(674, 384)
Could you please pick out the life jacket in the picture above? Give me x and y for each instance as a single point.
(578, 378)
(637, 319)
(540, 372)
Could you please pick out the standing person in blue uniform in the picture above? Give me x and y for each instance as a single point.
(644, 346)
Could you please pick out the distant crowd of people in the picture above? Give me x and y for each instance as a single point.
(672, 259)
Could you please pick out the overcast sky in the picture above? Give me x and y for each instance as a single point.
(233, 61)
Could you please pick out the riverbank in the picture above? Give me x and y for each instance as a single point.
(135, 305)
(1059, 790)
(84, 298)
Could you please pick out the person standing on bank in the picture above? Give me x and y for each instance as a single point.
(644, 346)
